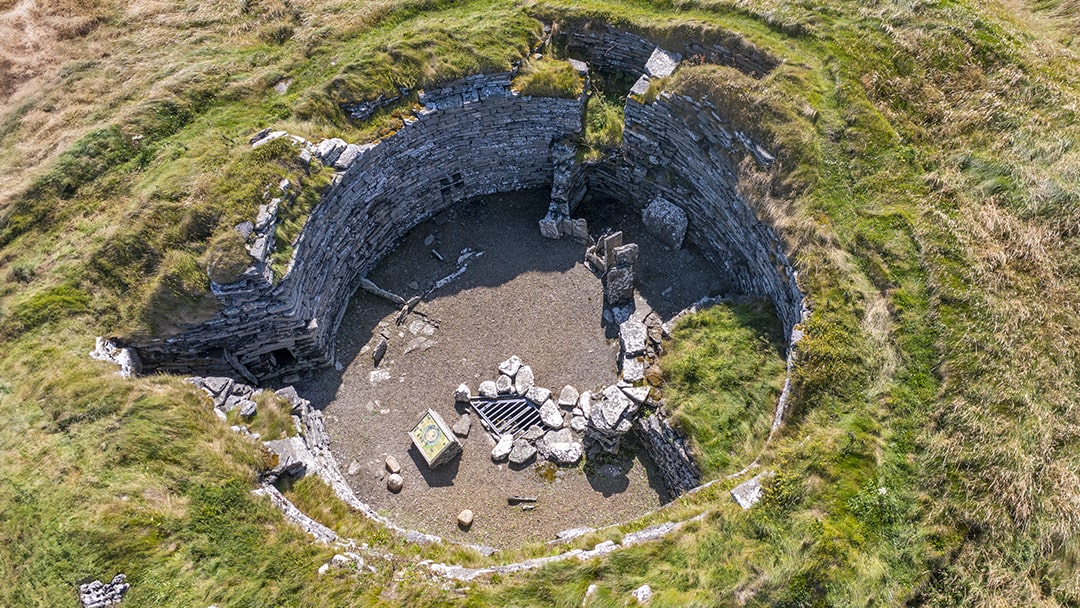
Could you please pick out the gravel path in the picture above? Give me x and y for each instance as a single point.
(523, 295)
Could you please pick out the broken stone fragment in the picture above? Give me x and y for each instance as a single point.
(502, 448)
(394, 482)
(568, 397)
(637, 394)
(577, 424)
(462, 427)
(379, 352)
(511, 366)
(462, 393)
(619, 285)
(585, 403)
(550, 415)
(666, 221)
(538, 394)
(489, 389)
(522, 452)
(533, 433)
(465, 519)
(643, 595)
(392, 465)
(523, 381)
(626, 255)
(503, 385)
(248, 409)
(633, 370)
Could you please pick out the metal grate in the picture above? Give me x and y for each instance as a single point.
(502, 415)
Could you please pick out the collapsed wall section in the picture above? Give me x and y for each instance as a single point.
(473, 138)
(682, 150)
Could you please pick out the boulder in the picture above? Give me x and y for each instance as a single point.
(488, 389)
(522, 452)
(523, 380)
(568, 397)
(504, 385)
(666, 221)
(550, 415)
(503, 448)
(538, 395)
(394, 482)
(511, 366)
(465, 519)
(462, 394)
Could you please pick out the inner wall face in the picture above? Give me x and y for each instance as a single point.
(524, 295)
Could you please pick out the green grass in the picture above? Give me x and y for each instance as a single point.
(548, 77)
(723, 373)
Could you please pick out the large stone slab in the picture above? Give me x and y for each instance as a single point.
(666, 221)
(633, 335)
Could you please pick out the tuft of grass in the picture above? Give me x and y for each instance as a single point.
(723, 371)
(603, 127)
(548, 77)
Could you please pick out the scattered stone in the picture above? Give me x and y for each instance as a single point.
(413, 285)
(379, 352)
(248, 409)
(538, 394)
(632, 336)
(504, 385)
(462, 394)
(643, 595)
(465, 519)
(522, 452)
(568, 397)
(392, 465)
(550, 414)
(428, 240)
(463, 425)
(503, 448)
(577, 424)
(560, 447)
(748, 493)
(355, 467)
(516, 500)
(666, 221)
(394, 483)
(523, 380)
(97, 594)
(511, 366)
(589, 593)
(488, 389)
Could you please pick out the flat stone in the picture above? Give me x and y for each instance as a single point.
(392, 465)
(523, 380)
(522, 452)
(641, 86)
(666, 221)
(462, 393)
(550, 414)
(347, 157)
(504, 385)
(533, 433)
(248, 408)
(511, 366)
(217, 385)
(489, 389)
(538, 394)
(394, 482)
(662, 63)
(643, 595)
(568, 397)
(564, 452)
(748, 493)
(637, 394)
(502, 448)
(465, 519)
(293, 456)
(633, 369)
(633, 335)
(462, 427)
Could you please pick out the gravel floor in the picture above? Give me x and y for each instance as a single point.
(524, 295)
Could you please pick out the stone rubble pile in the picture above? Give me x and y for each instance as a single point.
(97, 594)
(615, 262)
(554, 441)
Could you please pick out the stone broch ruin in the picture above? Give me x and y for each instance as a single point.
(677, 167)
